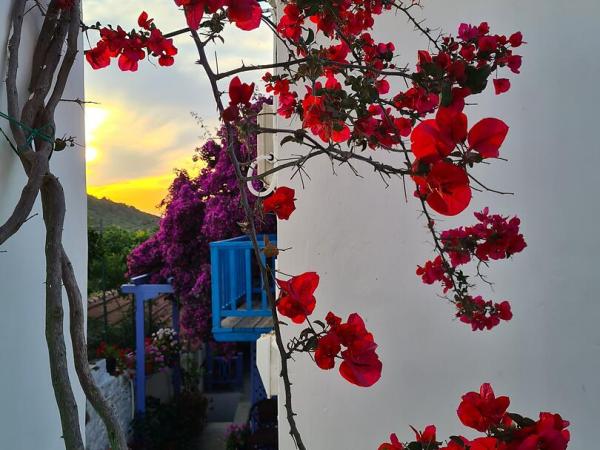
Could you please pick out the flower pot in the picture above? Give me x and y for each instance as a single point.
(111, 366)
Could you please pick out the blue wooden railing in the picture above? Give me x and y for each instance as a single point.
(240, 309)
(223, 371)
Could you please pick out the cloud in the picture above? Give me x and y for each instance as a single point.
(135, 143)
(142, 129)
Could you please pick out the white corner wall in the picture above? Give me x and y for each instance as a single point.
(365, 242)
(28, 413)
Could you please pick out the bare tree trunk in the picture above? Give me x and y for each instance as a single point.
(54, 214)
(104, 409)
(49, 76)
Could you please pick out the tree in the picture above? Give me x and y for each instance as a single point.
(34, 133)
(107, 256)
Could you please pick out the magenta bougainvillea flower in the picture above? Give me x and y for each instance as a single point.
(198, 210)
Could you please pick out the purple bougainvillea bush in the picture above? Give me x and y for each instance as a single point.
(198, 211)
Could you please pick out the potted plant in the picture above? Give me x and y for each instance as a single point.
(116, 358)
(236, 437)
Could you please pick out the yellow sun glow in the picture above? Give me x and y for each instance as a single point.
(94, 118)
(91, 154)
(105, 133)
(144, 193)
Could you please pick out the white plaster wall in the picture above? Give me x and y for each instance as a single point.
(28, 413)
(365, 242)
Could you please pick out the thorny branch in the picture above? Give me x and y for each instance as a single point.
(253, 238)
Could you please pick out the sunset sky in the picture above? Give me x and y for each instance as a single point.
(143, 127)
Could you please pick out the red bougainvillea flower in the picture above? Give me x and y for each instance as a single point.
(161, 47)
(494, 237)
(281, 202)
(434, 139)
(144, 21)
(487, 136)
(132, 47)
(290, 25)
(286, 98)
(246, 14)
(482, 410)
(239, 95)
(429, 143)
(549, 433)
(486, 443)
(434, 271)
(98, 57)
(328, 348)
(394, 444)
(332, 320)
(501, 237)
(297, 296)
(427, 436)
(453, 122)
(501, 85)
(482, 314)
(129, 59)
(383, 86)
(516, 39)
(194, 10)
(417, 99)
(320, 122)
(361, 365)
(445, 188)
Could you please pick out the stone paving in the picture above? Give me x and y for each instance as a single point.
(224, 409)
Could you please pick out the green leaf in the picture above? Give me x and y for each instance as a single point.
(521, 421)
(318, 322)
(289, 138)
(310, 38)
(311, 344)
(446, 99)
(477, 78)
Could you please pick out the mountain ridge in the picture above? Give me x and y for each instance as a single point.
(103, 212)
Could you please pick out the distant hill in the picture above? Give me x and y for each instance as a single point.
(106, 212)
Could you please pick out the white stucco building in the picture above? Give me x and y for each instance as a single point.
(29, 416)
(365, 242)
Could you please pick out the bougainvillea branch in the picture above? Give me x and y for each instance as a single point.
(336, 82)
(253, 239)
